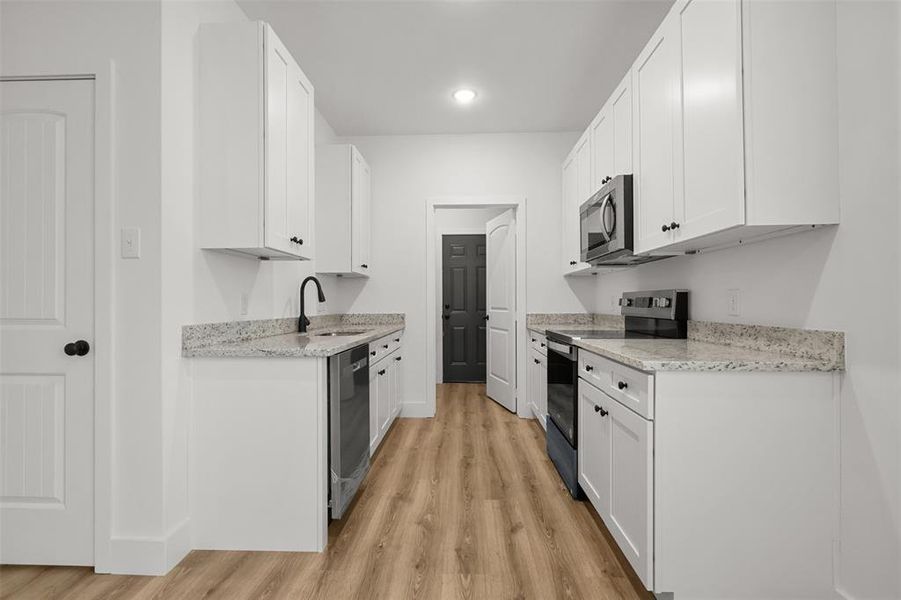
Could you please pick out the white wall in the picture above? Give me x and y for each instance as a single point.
(51, 36)
(844, 278)
(201, 286)
(406, 171)
(451, 221)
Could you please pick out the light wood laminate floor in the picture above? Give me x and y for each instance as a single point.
(466, 505)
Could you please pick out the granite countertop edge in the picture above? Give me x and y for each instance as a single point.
(285, 345)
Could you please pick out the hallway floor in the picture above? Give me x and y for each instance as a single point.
(466, 505)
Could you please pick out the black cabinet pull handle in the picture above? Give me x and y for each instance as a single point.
(674, 225)
(622, 385)
(598, 409)
(79, 348)
(589, 368)
(665, 228)
(397, 358)
(365, 266)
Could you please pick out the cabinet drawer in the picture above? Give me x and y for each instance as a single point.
(384, 346)
(632, 388)
(538, 342)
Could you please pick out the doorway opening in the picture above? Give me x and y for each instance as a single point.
(476, 296)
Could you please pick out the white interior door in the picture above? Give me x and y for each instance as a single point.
(46, 302)
(500, 237)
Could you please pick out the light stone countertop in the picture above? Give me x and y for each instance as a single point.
(293, 345)
(693, 355)
(278, 338)
(710, 346)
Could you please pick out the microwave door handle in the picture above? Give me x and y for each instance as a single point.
(603, 212)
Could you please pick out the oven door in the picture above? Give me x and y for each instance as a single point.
(562, 378)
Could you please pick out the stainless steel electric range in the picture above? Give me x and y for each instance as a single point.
(648, 315)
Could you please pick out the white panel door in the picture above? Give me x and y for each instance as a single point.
(594, 446)
(712, 119)
(632, 487)
(656, 100)
(602, 150)
(500, 237)
(288, 156)
(46, 302)
(374, 430)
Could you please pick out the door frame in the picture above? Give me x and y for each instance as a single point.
(518, 203)
(103, 74)
(439, 290)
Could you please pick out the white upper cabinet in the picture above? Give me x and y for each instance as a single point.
(343, 210)
(611, 137)
(256, 169)
(577, 188)
(731, 143)
(655, 110)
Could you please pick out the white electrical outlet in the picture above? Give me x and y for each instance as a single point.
(131, 242)
(245, 302)
(733, 302)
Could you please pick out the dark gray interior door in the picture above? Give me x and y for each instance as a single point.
(464, 310)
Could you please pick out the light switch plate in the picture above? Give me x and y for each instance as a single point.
(131, 242)
(734, 302)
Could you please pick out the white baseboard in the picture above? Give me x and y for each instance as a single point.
(419, 410)
(148, 555)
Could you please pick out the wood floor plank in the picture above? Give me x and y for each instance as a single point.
(465, 506)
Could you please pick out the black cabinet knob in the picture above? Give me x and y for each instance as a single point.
(382, 372)
(397, 340)
(589, 368)
(79, 348)
(297, 240)
(622, 385)
(537, 362)
(533, 340)
(665, 228)
(674, 225)
(397, 358)
(598, 409)
(364, 265)
(385, 346)
(372, 353)
(486, 317)
(572, 263)
(542, 344)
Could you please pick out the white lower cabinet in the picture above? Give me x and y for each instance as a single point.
(717, 478)
(385, 387)
(538, 386)
(616, 473)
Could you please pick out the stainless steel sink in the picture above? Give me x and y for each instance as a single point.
(336, 333)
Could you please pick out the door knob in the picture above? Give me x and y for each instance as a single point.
(79, 348)
(446, 317)
(447, 306)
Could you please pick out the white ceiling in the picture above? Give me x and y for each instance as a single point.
(390, 67)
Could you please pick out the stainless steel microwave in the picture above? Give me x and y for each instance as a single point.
(606, 225)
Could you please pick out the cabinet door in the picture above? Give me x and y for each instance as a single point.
(602, 149)
(288, 152)
(576, 186)
(360, 214)
(570, 189)
(366, 220)
(594, 446)
(385, 385)
(656, 106)
(534, 384)
(374, 429)
(631, 487)
(621, 114)
(542, 390)
(398, 395)
(712, 130)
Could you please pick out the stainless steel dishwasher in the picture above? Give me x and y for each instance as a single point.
(348, 395)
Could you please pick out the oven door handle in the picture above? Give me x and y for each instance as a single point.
(563, 349)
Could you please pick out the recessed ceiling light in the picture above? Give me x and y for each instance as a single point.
(464, 96)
